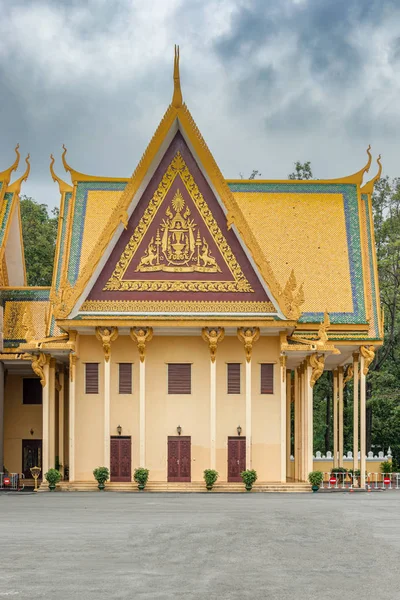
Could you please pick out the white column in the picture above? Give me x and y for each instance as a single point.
(142, 413)
(297, 425)
(310, 425)
(288, 420)
(341, 441)
(284, 418)
(61, 418)
(52, 413)
(213, 413)
(304, 426)
(71, 440)
(362, 422)
(1, 416)
(107, 403)
(45, 420)
(355, 411)
(335, 418)
(248, 415)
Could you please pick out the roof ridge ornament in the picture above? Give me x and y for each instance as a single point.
(177, 96)
(368, 188)
(5, 175)
(64, 187)
(15, 187)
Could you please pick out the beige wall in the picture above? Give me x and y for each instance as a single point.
(19, 419)
(165, 412)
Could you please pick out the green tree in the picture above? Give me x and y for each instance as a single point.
(301, 171)
(39, 232)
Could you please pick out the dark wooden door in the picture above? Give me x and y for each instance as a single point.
(120, 459)
(179, 458)
(31, 456)
(236, 457)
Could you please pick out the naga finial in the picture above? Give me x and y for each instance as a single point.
(15, 187)
(64, 187)
(368, 188)
(177, 96)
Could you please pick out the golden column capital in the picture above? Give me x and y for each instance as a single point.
(141, 336)
(356, 356)
(248, 336)
(106, 335)
(213, 337)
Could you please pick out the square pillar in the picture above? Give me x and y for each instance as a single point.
(335, 419)
(297, 425)
(340, 415)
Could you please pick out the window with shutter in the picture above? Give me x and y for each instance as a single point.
(92, 378)
(125, 378)
(179, 378)
(233, 371)
(267, 378)
(31, 391)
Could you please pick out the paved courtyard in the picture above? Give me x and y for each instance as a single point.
(191, 546)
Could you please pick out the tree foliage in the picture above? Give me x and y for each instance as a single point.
(301, 171)
(39, 232)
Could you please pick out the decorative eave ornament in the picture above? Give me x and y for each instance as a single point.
(317, 363)
(38, 362)
(63, 186)
(348, 375)
(15, 187)
(5, 176)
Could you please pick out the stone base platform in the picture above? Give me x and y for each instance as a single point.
(192, 487)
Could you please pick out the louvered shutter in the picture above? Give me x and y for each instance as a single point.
(125, 378)
(267, 378)
(233, 378)
(179, 378)
(92, 378)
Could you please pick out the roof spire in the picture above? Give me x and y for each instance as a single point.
(368, 187)
(177, 97)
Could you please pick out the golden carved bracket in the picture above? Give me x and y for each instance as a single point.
(213, 337)
(249, 336)
(348, 375)
(72, 364)
(38, 362)
(368, 353)
(317, 363)
(106, 335)
(141, 336)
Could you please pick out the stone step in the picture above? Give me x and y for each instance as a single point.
(184, 487)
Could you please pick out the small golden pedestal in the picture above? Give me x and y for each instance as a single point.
(35, 471)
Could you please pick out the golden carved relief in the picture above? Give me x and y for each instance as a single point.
(106, 335)
(177, 249)
(72, 364)
(177, 245)
(249, 336)
(38, 362)
(213, 337)
(283, 361)
(141, 335)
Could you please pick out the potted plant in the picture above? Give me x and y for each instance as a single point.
(210, 477)
(315, 478)
(386, 467)
(249, 477)
(52, 477)
(141, 476)
(101, 474)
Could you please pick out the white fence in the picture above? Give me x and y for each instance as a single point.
(373, 481)
(12, 481)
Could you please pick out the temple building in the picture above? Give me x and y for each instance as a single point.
(188, 317)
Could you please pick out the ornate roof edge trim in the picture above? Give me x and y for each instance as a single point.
(5, 175)
(368, 188)
(15, 187)
(63, 186)
(355, 178)
(77, 176)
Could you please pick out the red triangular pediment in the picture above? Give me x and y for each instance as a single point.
(177, 248)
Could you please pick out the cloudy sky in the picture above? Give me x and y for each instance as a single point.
(267, 81)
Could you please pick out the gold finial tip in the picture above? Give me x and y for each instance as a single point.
(177, 96)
